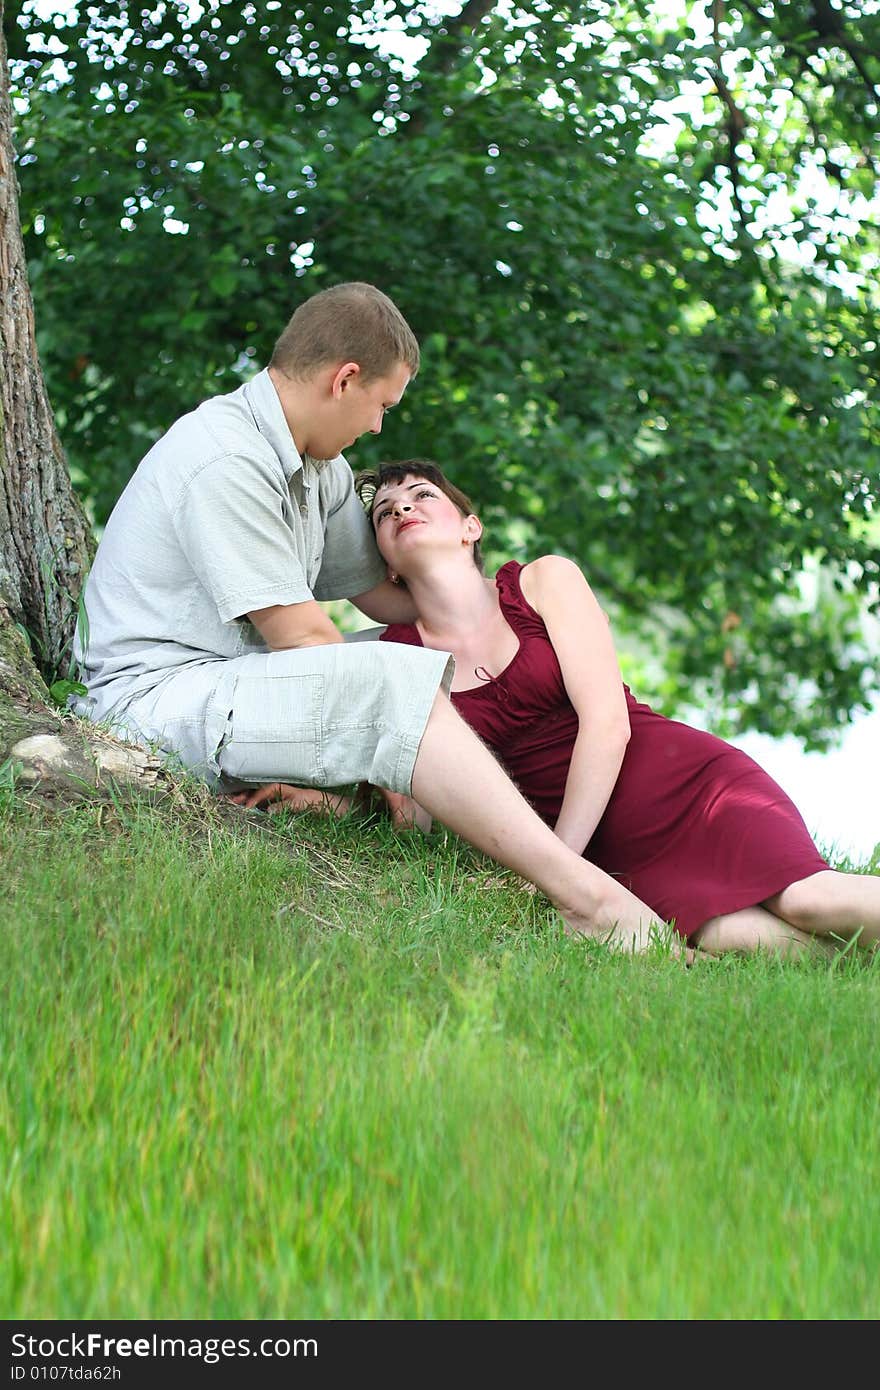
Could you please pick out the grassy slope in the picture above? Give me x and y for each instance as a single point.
(325, 1072)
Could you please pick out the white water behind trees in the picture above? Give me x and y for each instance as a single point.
(837, 793)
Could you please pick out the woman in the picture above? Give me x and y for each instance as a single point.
(688, 823)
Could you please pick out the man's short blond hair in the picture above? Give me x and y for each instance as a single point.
(353, 322)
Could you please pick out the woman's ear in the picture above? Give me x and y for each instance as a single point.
(473, 529)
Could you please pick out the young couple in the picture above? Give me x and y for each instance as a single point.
(206, 638)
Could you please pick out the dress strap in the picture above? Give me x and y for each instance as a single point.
(514, 604)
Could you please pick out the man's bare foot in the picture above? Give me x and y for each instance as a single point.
(281, 796)
(405, 813)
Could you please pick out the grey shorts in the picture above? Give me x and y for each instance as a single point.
(316, 716)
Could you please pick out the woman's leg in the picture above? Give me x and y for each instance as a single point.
(831, 902)
(457, 779)
(755, 929)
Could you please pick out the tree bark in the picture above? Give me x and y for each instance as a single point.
(45, 539)
(45, 547)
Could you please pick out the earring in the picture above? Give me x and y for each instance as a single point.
(395, 578)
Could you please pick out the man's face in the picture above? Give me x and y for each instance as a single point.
(359, 407)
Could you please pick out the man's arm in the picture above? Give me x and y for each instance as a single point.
(386, 603)
(287, 625)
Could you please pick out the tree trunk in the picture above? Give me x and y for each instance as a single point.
(45, 544)
(45, 539)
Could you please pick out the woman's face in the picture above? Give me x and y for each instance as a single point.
(414, 515)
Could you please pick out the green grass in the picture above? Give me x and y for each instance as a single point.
(326, 1072)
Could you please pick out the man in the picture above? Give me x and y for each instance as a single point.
(205, 636)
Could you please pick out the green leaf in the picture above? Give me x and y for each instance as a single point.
(60, 690)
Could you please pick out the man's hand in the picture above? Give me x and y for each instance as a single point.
(281, 796)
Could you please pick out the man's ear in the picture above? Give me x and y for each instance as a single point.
(343, 377)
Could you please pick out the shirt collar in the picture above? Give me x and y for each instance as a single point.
(265, 404)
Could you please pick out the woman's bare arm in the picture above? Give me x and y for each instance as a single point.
(581, 638)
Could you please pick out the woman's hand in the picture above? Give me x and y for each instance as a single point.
(281, 796)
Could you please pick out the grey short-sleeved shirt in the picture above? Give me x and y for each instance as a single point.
(221, 517)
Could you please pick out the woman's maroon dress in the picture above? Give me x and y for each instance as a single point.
(693, 827)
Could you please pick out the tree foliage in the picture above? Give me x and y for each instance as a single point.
(636, 250)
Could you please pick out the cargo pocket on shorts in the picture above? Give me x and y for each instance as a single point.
(267, 728)
(218, 723)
